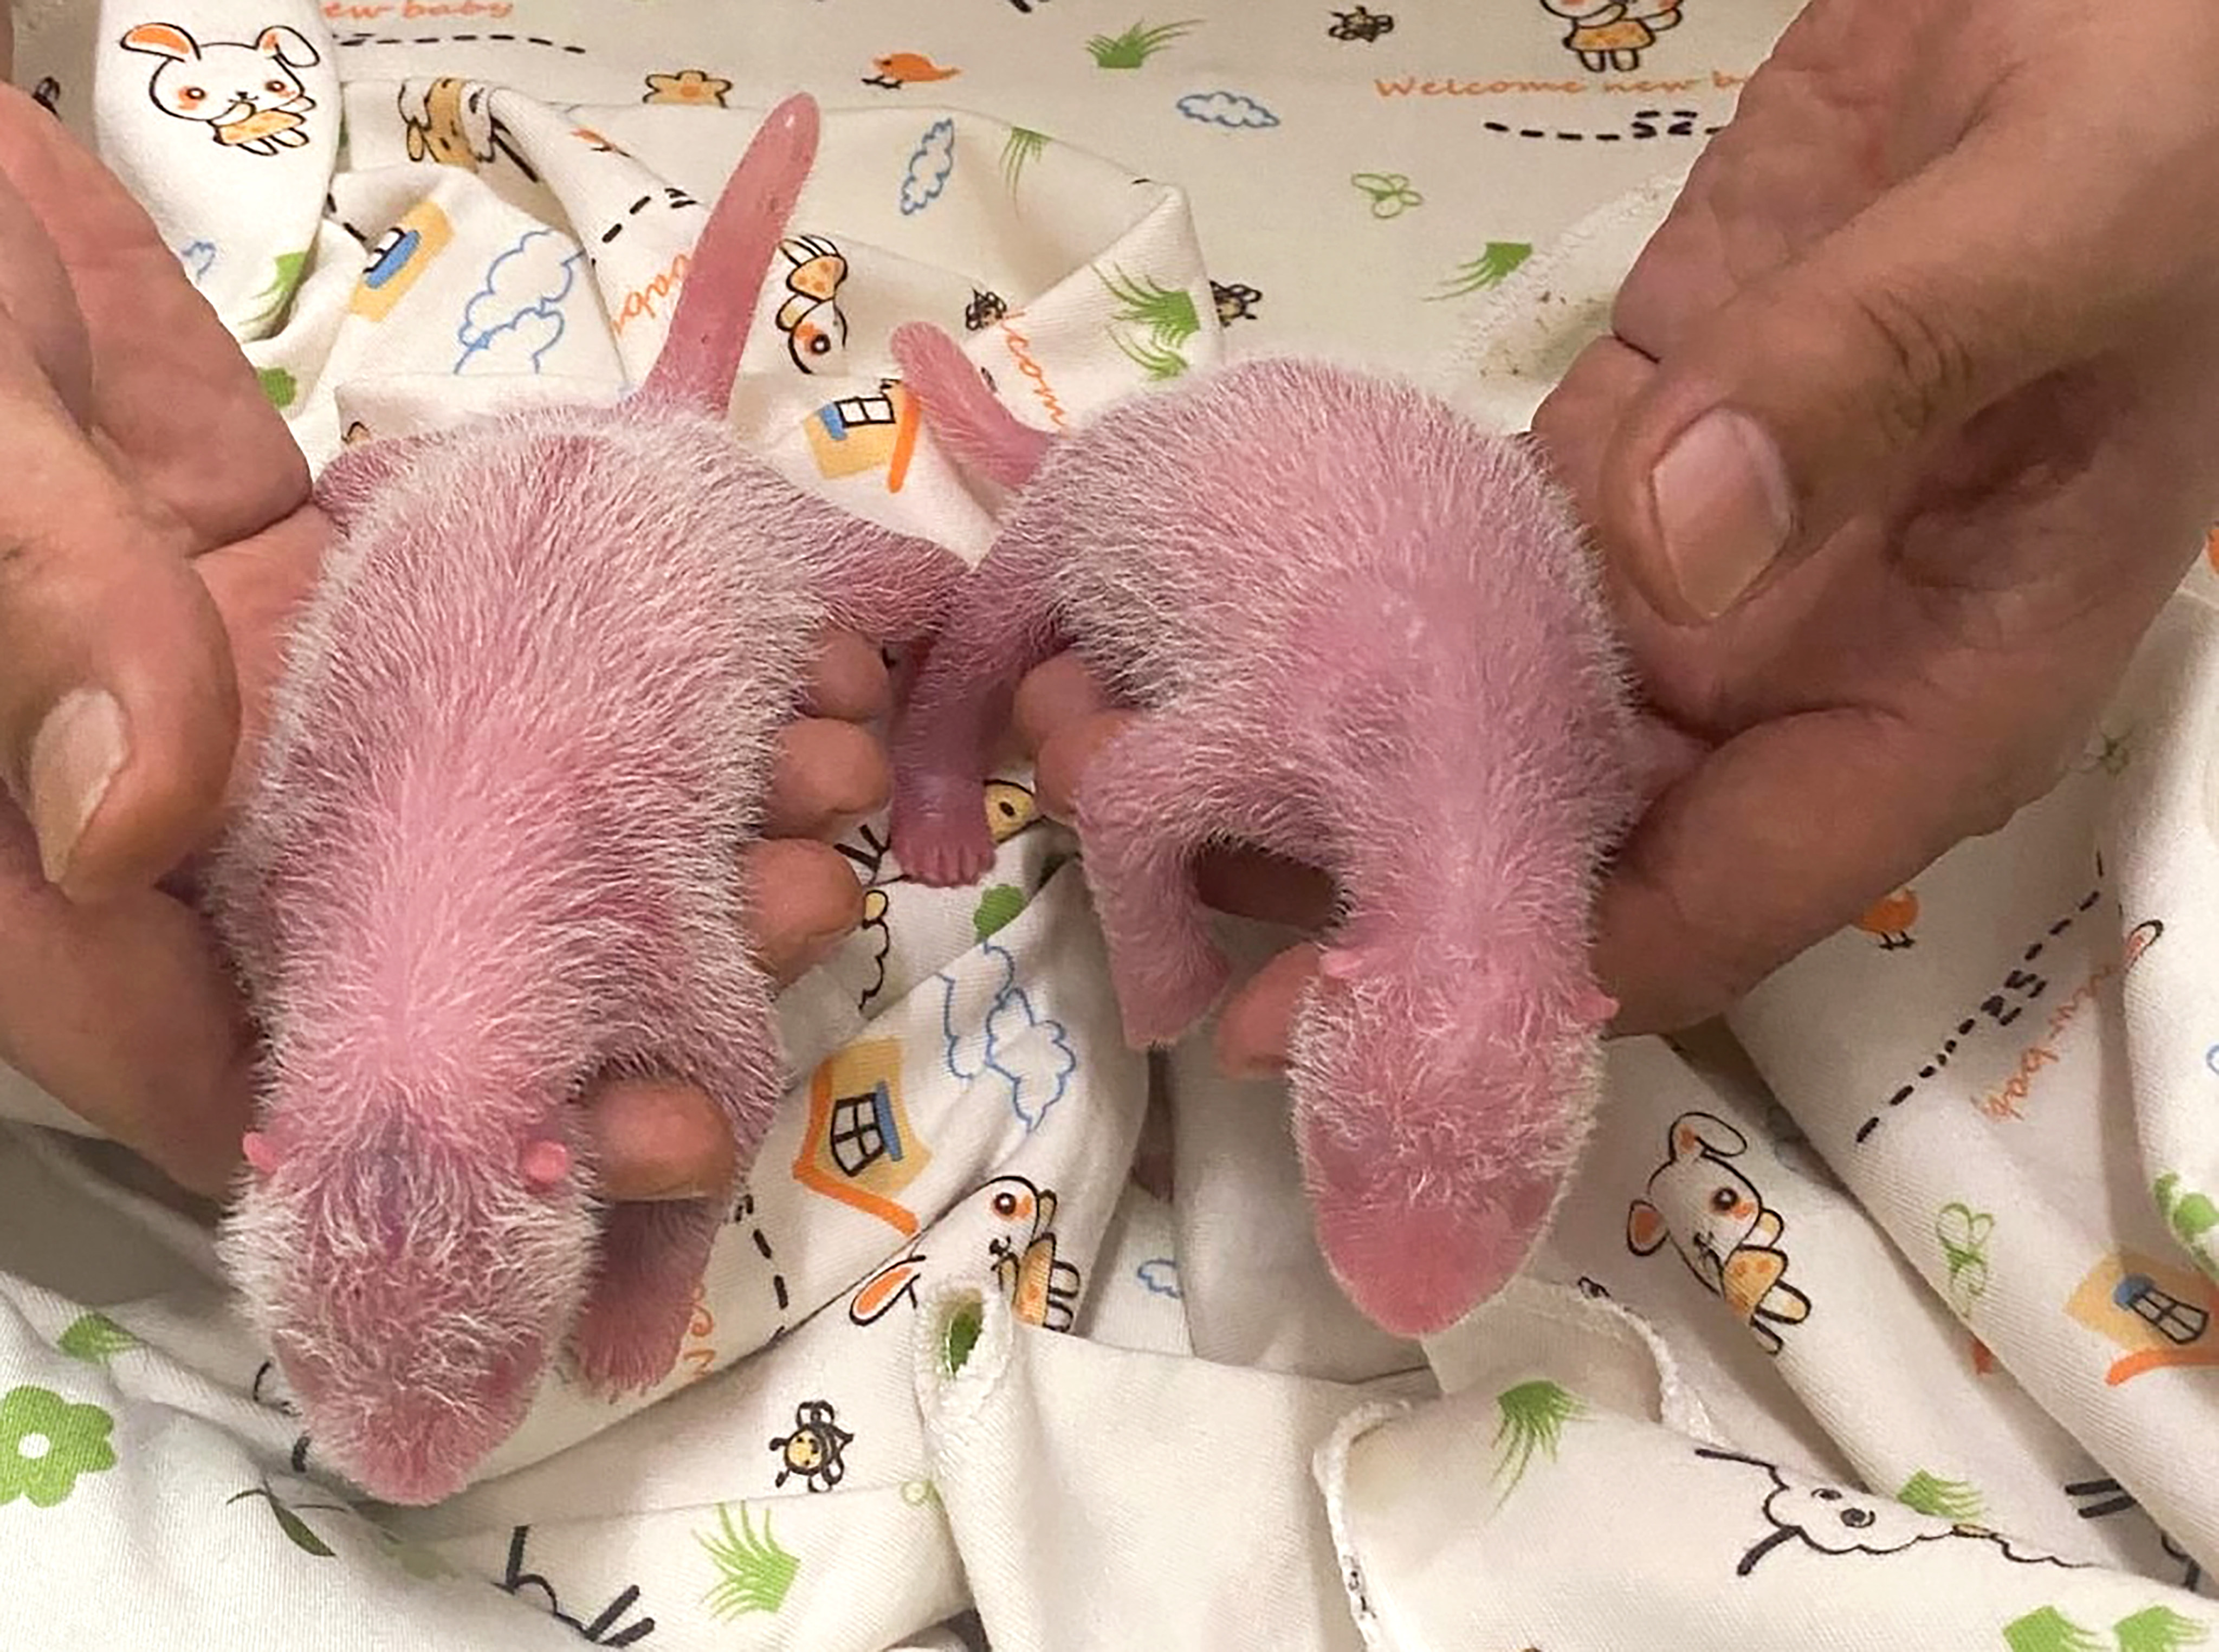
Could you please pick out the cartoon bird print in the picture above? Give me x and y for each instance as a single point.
(815, 328)
(898, 69)
(1021, 1253)
(814, 1451)
(1042, 1290)
(1890, 921)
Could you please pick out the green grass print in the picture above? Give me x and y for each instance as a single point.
(1165, 317)
(1534, 1419)
(284, 279)
(753, 1573)
(1491, 268)
(1945, 1499)
(2155, 1628)
(1020, 150)
(1137, 44)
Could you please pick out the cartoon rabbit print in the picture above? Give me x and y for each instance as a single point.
(248, 96)
(1608, 34)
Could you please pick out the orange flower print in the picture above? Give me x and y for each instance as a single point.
(1890, 921)
(695, 86)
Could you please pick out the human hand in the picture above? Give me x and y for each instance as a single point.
(143, 598)
(1950, 262)
(1952, 259)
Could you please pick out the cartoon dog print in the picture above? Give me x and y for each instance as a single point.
(1611, 33)
(1020, 1253)
(1721, 1226)
(811, 319)
(450, 120)
(248, 96)
(1830, 1520)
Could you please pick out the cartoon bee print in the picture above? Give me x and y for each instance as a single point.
(984, 308)
(1235, 302)
(816, 328)
(814, 1451)
(1358, 24)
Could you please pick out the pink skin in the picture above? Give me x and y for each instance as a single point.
(1366, 637)
(526, 730)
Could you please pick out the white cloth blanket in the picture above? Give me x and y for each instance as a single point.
(958, 1374)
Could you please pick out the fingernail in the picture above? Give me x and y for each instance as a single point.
(74, 756)
(1724, 506)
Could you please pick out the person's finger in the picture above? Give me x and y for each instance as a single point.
(655, 1139)
(172, 385)
(1574, 421)
(829, 775)
(1810, 395)
(1055, 695)
(119, 711)
(127, 1014)
(39, 305)
(1060, 762)
(1774, 842)
(1254, 1028)
(658, 1138)
(802, 899)
(849, 679)
(256, 587)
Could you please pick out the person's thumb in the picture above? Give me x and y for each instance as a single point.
(1816, 391)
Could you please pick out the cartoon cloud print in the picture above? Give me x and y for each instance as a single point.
(1227, 109)
(930, 165)
(1017, 1048)
(516, 317)
(1832, 1520)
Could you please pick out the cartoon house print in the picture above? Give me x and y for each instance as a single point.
(866, 432)
(248, 96)
(398, 259)
(2160, 1315)
(1720, 1225)
(1020, 1253)
(1831, 1520)
(860, 1146)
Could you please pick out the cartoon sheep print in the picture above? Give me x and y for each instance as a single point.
(248, 96)
(1831, 1520)
(1720, 1225)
